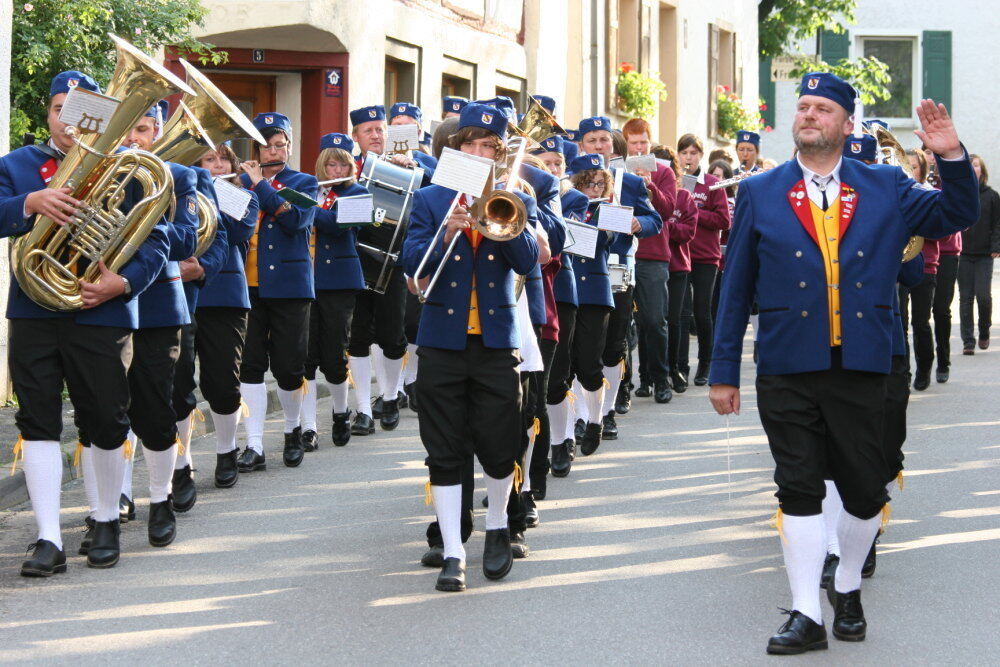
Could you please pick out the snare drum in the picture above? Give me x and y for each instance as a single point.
(379, 245)
(620, 276)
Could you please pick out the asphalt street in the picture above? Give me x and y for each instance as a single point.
(657, 549)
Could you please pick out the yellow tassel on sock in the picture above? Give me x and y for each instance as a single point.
(778, 521)
(622, 365)
(78, 454)
(244, 408)
(607, 385)
(428, 496)
(571, 397)
(304, 387)
(537, 426)
(180, 446)
(899, 480)
(18, 453)
(198, 414)
(518, 477)
(350, 378)
(886, 513)
(127, 449)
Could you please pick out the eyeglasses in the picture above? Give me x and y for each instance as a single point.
(594, 184)
(275, 147)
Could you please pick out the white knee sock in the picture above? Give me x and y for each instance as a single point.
(109, 471)
(291, 406)
(559, 420)
(804, 547)
(184, 428)
(339, 394)
(392, 368)
(133, 440)
(856, 537)
(580, 405)
(448, 507)
(526, 483)
(412, 361)
(160, 466)
(89, 485)
(832, 507)
(891, 486)
(307, 414)
(361, 371)
(613, 374)
(225, 431)
(43, 476)
(594, 401)
(377, 360)
(497, 491)
(255, 396)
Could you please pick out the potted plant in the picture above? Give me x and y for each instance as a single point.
(732, 116)
(639, 93)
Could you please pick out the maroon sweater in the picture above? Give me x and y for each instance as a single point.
(683, 224)
(932, 254)
(713, 219)
(951, 245)
(663, 195)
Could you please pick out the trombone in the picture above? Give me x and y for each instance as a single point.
(498, 215)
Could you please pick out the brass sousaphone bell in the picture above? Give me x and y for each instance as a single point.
(890, 151)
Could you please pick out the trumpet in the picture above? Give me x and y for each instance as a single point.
(499, 215)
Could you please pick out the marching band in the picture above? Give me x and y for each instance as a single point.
(491, 316)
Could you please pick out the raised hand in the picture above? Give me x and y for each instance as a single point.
(937, 131)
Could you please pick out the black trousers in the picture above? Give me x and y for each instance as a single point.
(182, 398)
(92, 362)
(330, 334)
(652, 301)
(920, 300)
(619, 319)
(411, 318)
(975, 281)
(216, 335)
(151, 384)
(944, 294)
(589, 342)
(701, 290)
(560, 373)
(277, 338)
(826, 424)
(897, 397)
(378, 319)
(540, 454)
(470, 403)
(677, 288)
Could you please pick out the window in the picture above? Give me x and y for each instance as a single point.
(722, 69)
(458, 78)
(513, 87)
(899, 53)
(402, 72)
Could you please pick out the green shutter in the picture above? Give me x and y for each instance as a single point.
(834, 46)
(937, 66)
(765, 89)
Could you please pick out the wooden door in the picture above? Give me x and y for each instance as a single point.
(252, 94)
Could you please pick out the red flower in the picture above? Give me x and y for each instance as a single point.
(769, 129)
(763, 107)
(726, 88)
(626, 67)
(720, 89)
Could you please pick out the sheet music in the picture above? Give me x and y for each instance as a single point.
(662, 162)
(581, 239)
(233, 201)
(644, 162)
(87, 111)
(619, 182)
(402, 138)
(689, 181)
(356, 209)
(462, 172)
(614, 218)
(616, 163)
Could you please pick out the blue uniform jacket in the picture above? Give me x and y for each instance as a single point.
(284, 268)
(229, 288)
(444, 317)
(634, 194)
(574, 206)
(426, 162)
(19, 176)
(772, 253)
(593, 283)
(337, 263)
(550, 217)
(215, 256)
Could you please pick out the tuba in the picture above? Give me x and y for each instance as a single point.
(890, 151)
(50, 261)
(203, 119)
(538, 124)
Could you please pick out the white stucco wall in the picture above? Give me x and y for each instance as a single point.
(975, 82)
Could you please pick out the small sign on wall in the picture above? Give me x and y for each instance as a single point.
(257, 56)
(333, 82)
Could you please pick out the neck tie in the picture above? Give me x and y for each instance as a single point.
(821, 184)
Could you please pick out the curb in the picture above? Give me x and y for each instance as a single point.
(13, 490)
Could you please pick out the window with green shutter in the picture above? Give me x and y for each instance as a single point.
(834, 46)
(937, 66)
(765, 89)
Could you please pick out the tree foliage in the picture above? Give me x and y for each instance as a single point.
(50, 36)
(781, 22)
(869, 75)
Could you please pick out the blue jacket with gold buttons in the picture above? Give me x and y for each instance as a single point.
(229, 287)
(593, 282)
(772, 254)
(337, 263)
(216, 255)
(444, 317)
(574, 207)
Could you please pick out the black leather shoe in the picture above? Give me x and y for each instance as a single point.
(47, 559)
(579, 428)
(591, 439)
(868, 569)
(679, 380)
(701, 375)
(105, 549)
(293, 453)
(849, 623)
(921, 380)
(984, 343)
(609, 426)
(968, 350)
(226, 470)
(452, 577)
(942, 375)
(623, 401)
(497, 555)
(518, 547)
(363, 425)
(662, 393)
(162, 524)
(250, 461)
(433, 557)
(403, 401)
(411, 395)
(829, 569)
(183, 490)
(643, 390)
(561, 463)
(341, 428)
(126, 509)
(798, 635)
(530, 509)
(87, 537)
(310, 442)
(377, 407)
(538, 487)
(390, 415)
